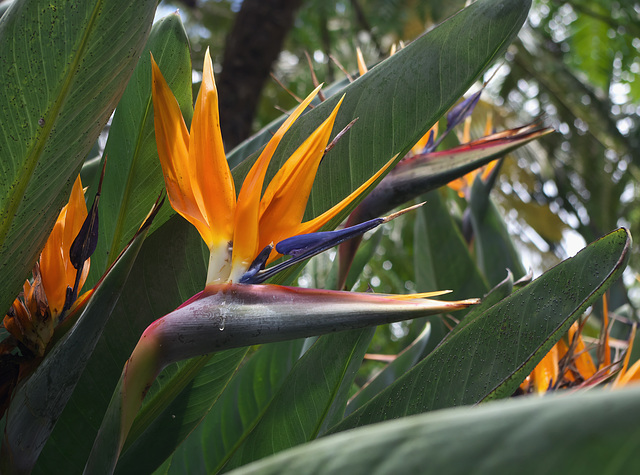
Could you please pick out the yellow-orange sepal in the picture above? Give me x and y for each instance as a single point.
(55, 264)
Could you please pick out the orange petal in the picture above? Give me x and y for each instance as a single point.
(581, 359)
(362, 66)
(76, 215)
(627, 356)
(633, 374)
(316, 223)
(211, 179)
(285, 199)
(463, 183)
(172, 139)
(245, 240)
(420, 144)
(466, 131)
(546, 372)
(55, 265)
(488, 125)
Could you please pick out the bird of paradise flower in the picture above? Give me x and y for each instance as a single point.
(35, 313)
(244, 234)
(46, 298)
(200, 186)
(570, 365)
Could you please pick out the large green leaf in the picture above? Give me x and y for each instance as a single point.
(38, 403)
(491, 354)
(403, 362)
(442, 260)
(314, 392)
(398, 100)
(160, 429)
(595, 432)
(237, 411)
(260, 138)
(441, 255)
(63, 67)
(499, 292)
(133, 177)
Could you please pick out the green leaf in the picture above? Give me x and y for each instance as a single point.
(260, 138)
(239, 408)
(594, 432)
(400, 365)
(364, 254)
(442, 259)
(314, 392)
(397, 101)
(494, 247)
(133, 176)
(493, 353)
(63, 68)
(38, 403)
(166, 419)
(498, 293)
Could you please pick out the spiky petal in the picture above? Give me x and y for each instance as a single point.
(56, 268)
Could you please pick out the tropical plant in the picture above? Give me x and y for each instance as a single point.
(192, 352)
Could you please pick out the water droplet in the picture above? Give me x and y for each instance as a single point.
(223, 320)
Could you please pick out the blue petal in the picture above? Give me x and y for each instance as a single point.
(257, 265)
(463, 110)
(305, 246)
(317, 242)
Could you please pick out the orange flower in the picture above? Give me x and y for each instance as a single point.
(33, 317)
(201, 188)
(55, 264)
(581, 369)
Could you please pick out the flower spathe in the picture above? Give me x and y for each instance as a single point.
(201, 188)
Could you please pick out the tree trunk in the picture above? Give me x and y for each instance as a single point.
(253, 44)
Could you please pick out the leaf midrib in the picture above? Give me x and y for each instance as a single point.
(126, 194)
(18, 187)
